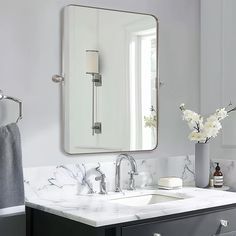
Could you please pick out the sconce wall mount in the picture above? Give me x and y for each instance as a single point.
(92, 68)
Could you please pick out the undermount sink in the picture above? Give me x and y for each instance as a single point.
(145, 200)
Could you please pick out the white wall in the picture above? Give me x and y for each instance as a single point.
(30, 54)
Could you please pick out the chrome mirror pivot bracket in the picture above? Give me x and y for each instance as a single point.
(57, 78)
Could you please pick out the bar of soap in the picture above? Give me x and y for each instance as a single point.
(170, 182)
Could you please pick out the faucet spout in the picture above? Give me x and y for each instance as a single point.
(133, 171)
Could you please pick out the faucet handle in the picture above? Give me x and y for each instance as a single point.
(101, 178)
(98, 178)
(103, 187)
(132, 180)
(132, 173)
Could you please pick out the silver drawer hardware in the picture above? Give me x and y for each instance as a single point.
(224, 223)
(156, 234)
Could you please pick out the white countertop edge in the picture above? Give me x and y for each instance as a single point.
(12, 211)
(80, 219)
(63, 214)
(129, 218)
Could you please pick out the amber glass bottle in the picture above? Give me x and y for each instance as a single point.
(218, 177)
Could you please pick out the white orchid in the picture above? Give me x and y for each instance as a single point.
(151, 120)
(191, 116)
(197, 136)
(195, 121)
(221, 113)
(203, 132)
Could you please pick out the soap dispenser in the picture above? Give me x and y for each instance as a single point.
(218, 177)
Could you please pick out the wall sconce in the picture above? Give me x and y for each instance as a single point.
(92, 68)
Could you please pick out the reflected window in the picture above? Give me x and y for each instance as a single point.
(142, 73)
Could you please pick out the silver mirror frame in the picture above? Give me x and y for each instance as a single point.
(61, 79)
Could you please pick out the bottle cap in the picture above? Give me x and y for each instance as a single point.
(217, 166)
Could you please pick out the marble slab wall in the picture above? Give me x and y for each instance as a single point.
(48, 181)
(183, 167)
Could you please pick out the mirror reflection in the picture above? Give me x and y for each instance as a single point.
(110, 85)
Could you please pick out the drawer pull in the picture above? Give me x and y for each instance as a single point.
(224, 223)
(156, 234)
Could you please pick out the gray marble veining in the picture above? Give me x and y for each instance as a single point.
(183, 167)
(80, 178)
(62, 190)
(99, 210)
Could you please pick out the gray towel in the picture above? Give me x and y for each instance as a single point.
(11, 172)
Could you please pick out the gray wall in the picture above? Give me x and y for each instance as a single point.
(218, 56)
(30, 54)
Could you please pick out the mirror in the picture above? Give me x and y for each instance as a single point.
(110, 82)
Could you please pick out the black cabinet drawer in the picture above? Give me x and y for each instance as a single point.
(228, 234)
(196, 225)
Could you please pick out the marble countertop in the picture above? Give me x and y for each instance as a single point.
(99, 210)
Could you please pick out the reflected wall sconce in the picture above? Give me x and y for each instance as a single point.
(92, 68)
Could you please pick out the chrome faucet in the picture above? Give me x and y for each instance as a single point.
(132, 172)
(101, 178)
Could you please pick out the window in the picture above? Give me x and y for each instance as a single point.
(142, 77)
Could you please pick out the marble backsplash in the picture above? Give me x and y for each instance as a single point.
(76, 179)
(183, 167)
(70, 179)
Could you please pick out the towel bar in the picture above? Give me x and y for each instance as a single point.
(2, 96)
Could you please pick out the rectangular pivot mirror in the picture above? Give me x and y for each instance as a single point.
(110, 81)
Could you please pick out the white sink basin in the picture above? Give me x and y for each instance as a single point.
(145, 200)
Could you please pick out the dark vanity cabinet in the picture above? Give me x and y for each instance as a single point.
(208, 222)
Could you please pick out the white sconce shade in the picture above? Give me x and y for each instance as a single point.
(92, 62)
